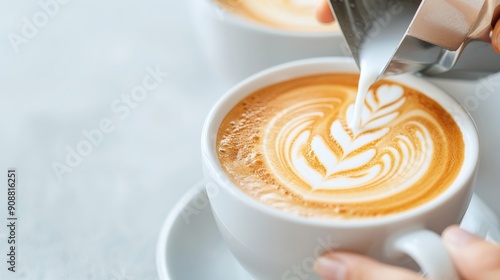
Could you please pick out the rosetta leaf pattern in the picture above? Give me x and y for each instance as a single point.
(380, 107)
(379, 110)
(309, 148)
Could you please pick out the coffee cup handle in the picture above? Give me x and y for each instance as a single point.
(428, 251)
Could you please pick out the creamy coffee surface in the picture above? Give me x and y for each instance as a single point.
(289, 146)
(292, 15)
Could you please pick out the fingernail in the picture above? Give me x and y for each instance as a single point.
(458, 236)
(330, 268)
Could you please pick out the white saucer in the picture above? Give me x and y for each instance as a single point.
(190, 246)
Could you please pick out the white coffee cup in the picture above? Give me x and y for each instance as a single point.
(272, 244)
(237, 48)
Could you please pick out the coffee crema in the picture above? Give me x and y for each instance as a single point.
(289, 146)
(291, 15)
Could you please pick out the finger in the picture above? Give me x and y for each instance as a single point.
(473, 257)
(323, 12)
(349, 266)
(495, 38)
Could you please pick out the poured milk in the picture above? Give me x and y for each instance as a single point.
(377, 50)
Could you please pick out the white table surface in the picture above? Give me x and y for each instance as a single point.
(102, 220)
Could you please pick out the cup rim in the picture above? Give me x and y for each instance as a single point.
(241, 22)
(311, 67)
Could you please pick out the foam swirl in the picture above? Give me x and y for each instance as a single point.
(338, 158)
(295, 15)
(290, 146)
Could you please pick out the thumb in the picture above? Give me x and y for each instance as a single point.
(350, 266)
(495, 38)
(323, 12)
(473, 257)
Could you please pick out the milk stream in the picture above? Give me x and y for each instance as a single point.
(379, 46)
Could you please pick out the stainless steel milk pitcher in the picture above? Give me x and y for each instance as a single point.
(443, 36)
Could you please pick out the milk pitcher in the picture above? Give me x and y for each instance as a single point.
(449, 37)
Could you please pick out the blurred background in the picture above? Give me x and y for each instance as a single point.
(99, 218)
(101, 109)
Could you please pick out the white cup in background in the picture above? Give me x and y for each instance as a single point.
(236, 48)
(273, 244)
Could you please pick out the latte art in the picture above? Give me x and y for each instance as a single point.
(323, 155)
(290, 146)
(293, 15)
